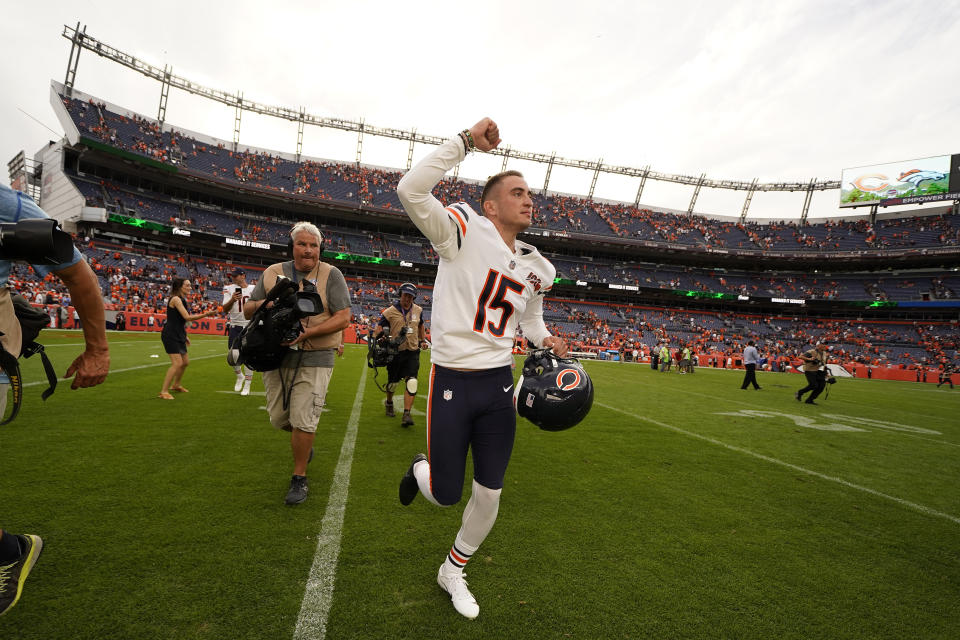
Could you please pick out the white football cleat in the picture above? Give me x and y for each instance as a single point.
(246, 388)
(239, 383)
(454, 584)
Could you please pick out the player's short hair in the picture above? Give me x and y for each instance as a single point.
(309, 227)
(494, 181)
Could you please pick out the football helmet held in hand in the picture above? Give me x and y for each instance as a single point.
(553, 393)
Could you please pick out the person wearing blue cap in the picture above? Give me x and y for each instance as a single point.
(403, 321)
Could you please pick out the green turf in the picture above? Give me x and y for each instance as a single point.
(658, 517)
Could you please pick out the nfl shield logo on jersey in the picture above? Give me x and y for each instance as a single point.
(447, 394)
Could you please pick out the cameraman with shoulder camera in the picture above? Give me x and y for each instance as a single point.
(814, 368)
(18, 553)
(296, 391)
(403, 324)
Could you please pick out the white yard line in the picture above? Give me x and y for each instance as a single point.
(753, 405)
(906, 503)
(315, 608)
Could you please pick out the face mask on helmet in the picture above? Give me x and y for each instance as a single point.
(553, 393)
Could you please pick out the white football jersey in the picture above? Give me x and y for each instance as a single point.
(236, 318)
(483, 290)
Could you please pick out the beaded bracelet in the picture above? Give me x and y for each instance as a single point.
(469, 137)
(463, 139)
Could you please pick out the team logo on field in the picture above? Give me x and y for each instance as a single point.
(572, 376)
(533, 279)
(447, 394)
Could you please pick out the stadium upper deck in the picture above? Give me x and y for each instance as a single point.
(557, 214)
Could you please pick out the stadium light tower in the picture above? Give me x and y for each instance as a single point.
(643, 182)
(76, 45)
(546, 179)
(164, 93)
(236, 120)
(596, 174)
(413, 139)
(806, 200)
(746, 202)
(300, 133)
(360, 142)
(696, 192)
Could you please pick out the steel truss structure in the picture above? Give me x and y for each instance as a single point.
(80, 40)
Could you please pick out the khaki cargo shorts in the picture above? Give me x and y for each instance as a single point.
(306, 399)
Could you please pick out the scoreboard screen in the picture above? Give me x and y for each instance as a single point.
(906, 182)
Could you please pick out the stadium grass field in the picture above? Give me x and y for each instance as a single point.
(676, 510)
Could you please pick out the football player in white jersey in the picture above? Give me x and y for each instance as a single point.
(488, 283)
(234, 295)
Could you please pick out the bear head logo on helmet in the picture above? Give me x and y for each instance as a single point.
(553, 393)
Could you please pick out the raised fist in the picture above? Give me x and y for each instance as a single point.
(486, 135)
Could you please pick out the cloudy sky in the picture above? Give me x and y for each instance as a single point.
(779, 91)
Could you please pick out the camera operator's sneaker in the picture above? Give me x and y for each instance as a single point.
(453, 583)
(246, 387)
(14, 574)
(408, 483)
(406, 420)
(239, 384)
(390, 412)
(298, 490)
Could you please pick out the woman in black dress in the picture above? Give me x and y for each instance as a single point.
(174, 336)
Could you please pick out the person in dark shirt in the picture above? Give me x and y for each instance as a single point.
(174, 336)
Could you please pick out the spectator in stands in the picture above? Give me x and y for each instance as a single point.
(296, 391)
(174, 336)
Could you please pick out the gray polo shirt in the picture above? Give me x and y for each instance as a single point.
(338, 298)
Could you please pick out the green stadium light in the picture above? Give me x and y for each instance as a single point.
(350, 257)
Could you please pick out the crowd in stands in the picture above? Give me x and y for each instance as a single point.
(141, 282)
(936, 285)
(137, 282)
(594, 326)
(375, 187)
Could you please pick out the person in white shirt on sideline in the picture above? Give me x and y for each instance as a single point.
(234, 297)
(488, 284)
(751, 357)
